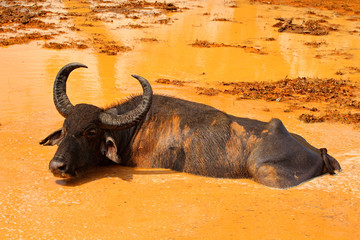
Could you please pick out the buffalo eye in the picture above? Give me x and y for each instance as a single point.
(90, 132)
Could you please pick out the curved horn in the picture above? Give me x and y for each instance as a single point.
(62, 102)
(133, 117)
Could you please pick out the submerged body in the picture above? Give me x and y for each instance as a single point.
(199, 139)
(181, 135)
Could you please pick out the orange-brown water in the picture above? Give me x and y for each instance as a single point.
(130, 203)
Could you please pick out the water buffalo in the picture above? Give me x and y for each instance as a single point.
(154, 131)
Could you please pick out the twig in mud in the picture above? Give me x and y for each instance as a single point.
(287, 23)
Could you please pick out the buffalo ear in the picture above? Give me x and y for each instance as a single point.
(53, 138)
(109, 149)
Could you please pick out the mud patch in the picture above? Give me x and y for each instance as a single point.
(111, 48)
(134, 26)
(170, 82)
(148, 40)
(316, 44)
(318, 15)
(311, 27)
(207, 91)
(351, 70)
(301, 89)
(337, 94)
(336, 53)
(354, 32)
(13, 13)
(341, 53)
(66, 45)
(23, 22)
(25, 38)
(332, 116)
(221, 20)
(207, 44)
(270, 39)
(132, 9)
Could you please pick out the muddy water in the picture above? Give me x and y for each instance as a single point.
(118, 202)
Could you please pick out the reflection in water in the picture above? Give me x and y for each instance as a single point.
(108, 77)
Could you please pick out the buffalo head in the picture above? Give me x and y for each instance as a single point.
(86, 137)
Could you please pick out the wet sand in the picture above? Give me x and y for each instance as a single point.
(131, 203)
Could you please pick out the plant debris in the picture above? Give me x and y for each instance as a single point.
(316, 44)
(333, 116)
(168, 81)
(25, 38)
(206, 44)
(311, 27)
(207, 91)
(129, 8)
(301, 89)
(15, 17)
(221, 20)
(338, 94)
(149, 40)
(269, 39)
(111, 48)
(24, 21)
(135, 26)
(14, 13)
(65, 45)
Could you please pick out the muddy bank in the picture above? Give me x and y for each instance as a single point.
(27, 15)
(25, 22)
(22, 22)
(348, 7)
(340, 99)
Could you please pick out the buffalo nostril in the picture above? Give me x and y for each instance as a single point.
(62, 168)
(57, 166)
